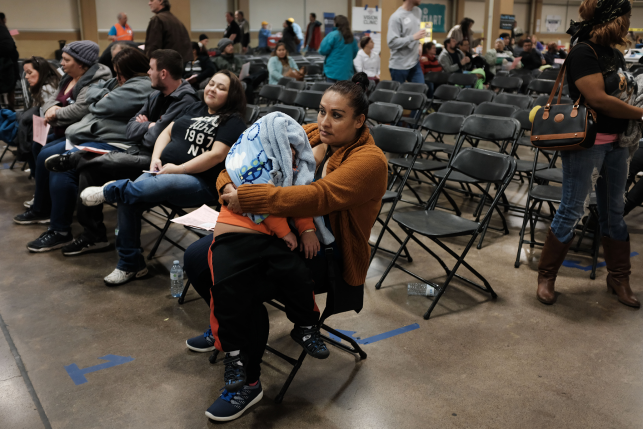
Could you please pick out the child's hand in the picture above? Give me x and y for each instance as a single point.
(291, 240)
(309, 244)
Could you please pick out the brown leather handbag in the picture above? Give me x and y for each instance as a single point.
(564, 126)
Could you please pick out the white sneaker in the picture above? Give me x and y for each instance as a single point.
(28, 204)
(118, 277)
(93, 195)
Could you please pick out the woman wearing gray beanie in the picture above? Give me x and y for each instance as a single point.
(68, 106)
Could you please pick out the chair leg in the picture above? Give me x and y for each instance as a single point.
(185, 291)
(378, 285)
(522, 232)
(6, 148)
(163, 231)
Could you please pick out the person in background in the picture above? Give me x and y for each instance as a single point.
(280, 64)
(403, 38)
(506, 39)
(289, 38)
(516, 32)
(200, 69)
(537, 45)
(531, 59)
(165, 31)
(465, 47)
(462, 31)
(264, 34)
(233, 32)
(553, 53)
(428, 59)
(9, 70)
(340, 48)
(313, 34)
(121, 31)
(112, 49)
(367, 61)
(492, 56)
(227, 60)
(203, 43)
(452, 59)
(245, 30)
(298, 33)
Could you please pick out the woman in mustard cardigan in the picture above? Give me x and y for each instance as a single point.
(350, 182)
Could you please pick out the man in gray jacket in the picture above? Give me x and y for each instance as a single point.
(403, 40)
(161, 108)
(453, 59)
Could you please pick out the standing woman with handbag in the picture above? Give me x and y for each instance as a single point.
(594, 71)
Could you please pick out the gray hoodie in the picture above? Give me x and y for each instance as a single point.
(74, 112)
(447, 63)
(402, 25)
(141, 133)
(111, 107)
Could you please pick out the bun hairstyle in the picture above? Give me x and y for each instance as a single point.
(355, 91)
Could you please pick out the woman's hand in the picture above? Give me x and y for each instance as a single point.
(50, 114)
(232, 200)
(156, 165)
(309, 244)
(170, 168)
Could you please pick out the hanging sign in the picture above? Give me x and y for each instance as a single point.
(507, 22)
(365, 19)
(434, 13)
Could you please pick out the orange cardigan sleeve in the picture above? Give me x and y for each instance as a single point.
(360, 178)
(222, 180)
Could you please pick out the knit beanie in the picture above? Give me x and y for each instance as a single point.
(85, 51)
(223, 43)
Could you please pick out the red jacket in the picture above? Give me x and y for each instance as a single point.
(315, 40)
(430, 65)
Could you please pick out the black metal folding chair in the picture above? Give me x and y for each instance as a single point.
(252, 113)
(321, 86)
(475, 96)
(295, 84)
(310, 101)
(541, 100)
(457, 108)
(444, 124)
(462, 79)
(540, 86)
(284, 81)
(415, 102)
(442, 94)
(270, 93)
(288, 96)
(437, 225)
(506, 83)
(437, 78)
(297, 113)
(390, 85)
(381, 95)
(521, 101)
(414, 87)
(385, 113)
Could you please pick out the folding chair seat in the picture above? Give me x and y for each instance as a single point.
(540, 86)
(288, 96)
(475, 96)
(284, 81)
(437, 78)
(414, 101)
(462, 79)
(521, 101)
(294, 84)
(444, 93)
(310, 101)
(385, 113)
(252, 113)
(382, 95)
(506, 83)
(321, 86)
(436, 225)
(390, 85)
(414, 87)
(297, 113)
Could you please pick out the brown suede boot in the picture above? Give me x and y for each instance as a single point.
(551, 259)
(617, 259)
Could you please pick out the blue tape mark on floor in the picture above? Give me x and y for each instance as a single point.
(378, 337)
(78, 375)
(576, 264)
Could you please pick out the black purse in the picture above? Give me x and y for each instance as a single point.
(564, 126)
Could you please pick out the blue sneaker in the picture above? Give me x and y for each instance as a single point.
(234, 375)
(310, 339)
(203, 343)
(230, 405)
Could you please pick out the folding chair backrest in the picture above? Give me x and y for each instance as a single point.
(297, 113)
(462, 79)
(519, 72)
(475, 96)
(443, 123)
(551, 74)
(507, 83)
(437, 77)
(396, 140)
(495, 109)
(542, 100)
(491, 128)
(287, 96)
(540, 86)
(309, 99)
(446, 92)
(299, 86)
(284, 80)
(252, 113)
(521, 101)
(270, 92)
(457, 108)
(409, 100)
(388, 84)
(257, 67)
(523, 117)
(484, 165)
(313, 69)
(385, 113)
(383, 95)
(414, 87)
(321, 86)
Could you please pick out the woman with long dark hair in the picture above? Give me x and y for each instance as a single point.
(462, 31)
(188, 156)
(280, 64)
(43, 79)
(594, 68)
(340, 48)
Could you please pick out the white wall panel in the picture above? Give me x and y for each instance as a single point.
(208, 15)
(41, 14)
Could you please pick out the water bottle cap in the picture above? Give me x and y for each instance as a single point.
(176, 262)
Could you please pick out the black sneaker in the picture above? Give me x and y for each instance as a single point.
(30, 217)
(311, 341)
(234, 375)
(231, 405)
(62, 163)
(83, 245)
(49, 240)
(203, 343)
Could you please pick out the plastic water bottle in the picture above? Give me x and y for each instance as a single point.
(421, 289)
(176, 280)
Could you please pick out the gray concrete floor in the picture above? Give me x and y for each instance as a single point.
(477, 363)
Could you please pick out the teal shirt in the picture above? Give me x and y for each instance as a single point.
(339, 56)
(276, 69)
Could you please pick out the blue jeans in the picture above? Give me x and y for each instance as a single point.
(42, 201)
(411, 75)
(63, 190)
(328, 79)
(609, 163)
(147, 191)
